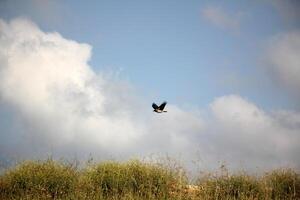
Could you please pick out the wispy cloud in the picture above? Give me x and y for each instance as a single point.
(59, 105)
(52, 13)
(288, 9)
(283, 61)
(221, 18)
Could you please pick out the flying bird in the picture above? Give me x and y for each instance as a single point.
(159, 109)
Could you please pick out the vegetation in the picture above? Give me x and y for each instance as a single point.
(140, 180)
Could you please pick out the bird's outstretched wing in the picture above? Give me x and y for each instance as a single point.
(154, 106)
(162, 106)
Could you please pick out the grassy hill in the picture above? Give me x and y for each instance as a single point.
(135, 179)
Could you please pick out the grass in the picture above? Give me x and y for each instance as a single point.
(39, 179)
(135, 180)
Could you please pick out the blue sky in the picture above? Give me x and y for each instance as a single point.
(167, 49)
(79, 77)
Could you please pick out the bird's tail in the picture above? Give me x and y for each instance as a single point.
(165, 111)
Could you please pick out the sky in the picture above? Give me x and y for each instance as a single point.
(78, 79)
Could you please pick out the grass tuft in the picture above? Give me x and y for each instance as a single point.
(36, 178)
(281, 184)
(133, 177)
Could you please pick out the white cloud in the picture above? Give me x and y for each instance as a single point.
(55, 103)
(221, 18)
(283, 60)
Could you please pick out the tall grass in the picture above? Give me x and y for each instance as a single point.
(135, 179)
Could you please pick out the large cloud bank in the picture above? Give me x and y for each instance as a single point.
(62, 105)
(52, 102)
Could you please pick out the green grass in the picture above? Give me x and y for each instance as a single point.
(135, 179)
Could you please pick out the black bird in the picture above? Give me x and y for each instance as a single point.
(159, 109)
